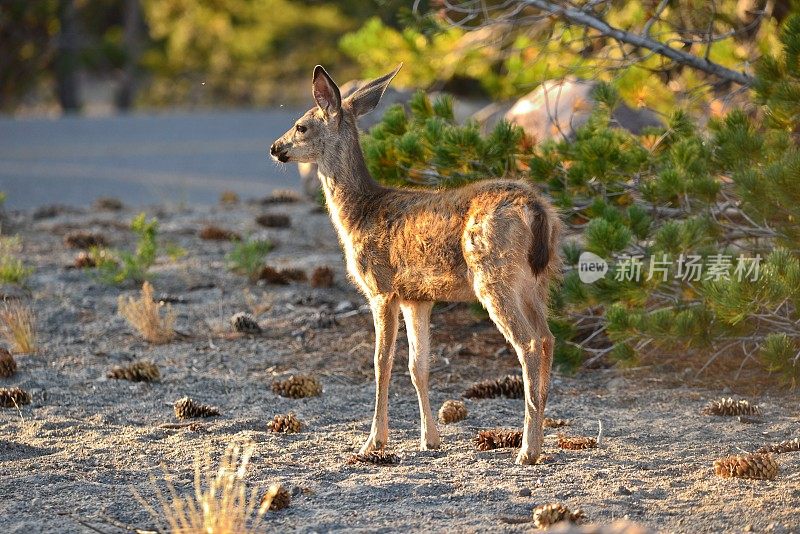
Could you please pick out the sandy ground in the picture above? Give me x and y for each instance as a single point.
(75, 453)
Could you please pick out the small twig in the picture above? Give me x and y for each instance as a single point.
(599, 432)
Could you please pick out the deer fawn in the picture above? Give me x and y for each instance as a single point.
(495, 240)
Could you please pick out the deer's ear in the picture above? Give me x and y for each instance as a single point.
(325, 91)
(366, 98)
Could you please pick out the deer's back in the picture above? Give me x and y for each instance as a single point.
(410, 242)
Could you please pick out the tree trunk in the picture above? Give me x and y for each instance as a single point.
(132, 39)
(66, 63)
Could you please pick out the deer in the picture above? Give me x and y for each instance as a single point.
(407, 248)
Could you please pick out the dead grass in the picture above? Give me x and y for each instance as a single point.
(18, 327)
(220, 503)
(144, 314)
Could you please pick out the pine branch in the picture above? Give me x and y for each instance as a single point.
(642, 41)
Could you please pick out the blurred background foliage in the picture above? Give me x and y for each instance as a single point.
(259, 52)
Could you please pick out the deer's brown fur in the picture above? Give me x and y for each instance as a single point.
(496, 240)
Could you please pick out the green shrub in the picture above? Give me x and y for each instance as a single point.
(248, 257)
(12, 268)
(119, 266)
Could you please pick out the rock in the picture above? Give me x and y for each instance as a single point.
(524, 492)
(557, 108)
(622, 490)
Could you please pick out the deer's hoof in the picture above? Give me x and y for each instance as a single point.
(430, 444)
(526, 458)
(372, 444)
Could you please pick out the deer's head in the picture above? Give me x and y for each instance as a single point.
(329, 127)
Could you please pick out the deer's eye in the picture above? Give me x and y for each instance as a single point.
(301, 129)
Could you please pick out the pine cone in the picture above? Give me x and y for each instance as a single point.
(452, 411)
(295, 275)
(281, 196)
(85, 240)
(273, 276)
(498, 438)
(245, 323)
(790, 445)
(285, 423)
(375, 457)
(14, 397)
(576, 443)
(511, 386)
(297, 387)
(549, 514)
(7, 364)
(731, 407)
(84, 260)
(555, 423)
(274, 220)
(322, 277)
(280, 499)
(136, 372)
(186, 408)
(758, 466)
(215, 233)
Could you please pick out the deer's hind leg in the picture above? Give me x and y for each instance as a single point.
(511, 311)
(385, 312)
(417, 318)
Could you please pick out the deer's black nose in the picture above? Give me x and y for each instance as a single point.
(273, 150)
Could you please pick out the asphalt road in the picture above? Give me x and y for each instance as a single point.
(142, 159)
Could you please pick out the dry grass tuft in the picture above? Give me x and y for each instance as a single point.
(18, 327)
(220, 502)
(144, 314)
(228, 198)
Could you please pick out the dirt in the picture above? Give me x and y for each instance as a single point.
(69, 460)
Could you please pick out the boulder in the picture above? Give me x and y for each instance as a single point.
(557, 108)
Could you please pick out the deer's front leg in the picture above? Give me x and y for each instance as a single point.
(417, 317)
(384, 314)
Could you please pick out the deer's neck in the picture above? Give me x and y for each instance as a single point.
(350, 191)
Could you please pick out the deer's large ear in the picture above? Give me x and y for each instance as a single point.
(326, 93)
(366, 98)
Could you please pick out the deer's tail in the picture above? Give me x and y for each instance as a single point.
(545, 229)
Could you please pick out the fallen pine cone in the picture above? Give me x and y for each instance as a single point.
(789, 445)
(576, 443)
(322, 277)
(549, 514)
(186, 408)
(728, 407)
(272, 275)
(511, 386)
(245, 323)
(85, 240)
(289, 424)
(108, 204)
(555, 423)
(375, 457)
(136, 372)
(215, 233)
(756, 466)
(498, 438)
(452, 411)
(274, 220)
(297, 387)
(280, 498)
(282, 196)
(295, 275)
(7, 364)
(14, 397)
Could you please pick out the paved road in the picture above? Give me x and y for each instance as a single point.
(142, 159)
